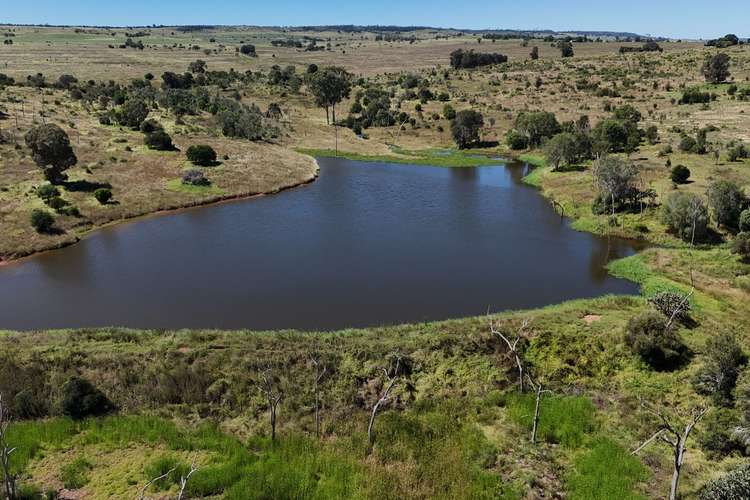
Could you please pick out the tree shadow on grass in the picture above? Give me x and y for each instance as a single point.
(85, 186)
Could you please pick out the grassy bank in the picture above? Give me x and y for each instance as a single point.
(429, 157)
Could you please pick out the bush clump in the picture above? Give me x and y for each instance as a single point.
(744, 225)
(732, 486)
(159, 141)
(103, 195)
(201, 155)
(659, 347)
(195, 178)
(680, 174)
(42, 221)
(81, 399)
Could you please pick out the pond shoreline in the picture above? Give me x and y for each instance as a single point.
(18, 257)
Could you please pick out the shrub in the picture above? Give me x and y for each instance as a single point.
(741, 246)
(469, 59)
(694, 95)
(732, 486)
(738, 152)
(448, 112)
(42, 221)
(201, 155)
(47, 192)
(195, 178)
(103, 195)
(688, 144)
(680, 174)
(659, 347)
(150, 126)
(686, 216)
(727, 201)
(80, 399)
(668, 302)
(159, 140)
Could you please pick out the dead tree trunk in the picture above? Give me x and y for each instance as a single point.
(9, 479)
(320, 372)
(676, 437)
(184, 480)
(391, 380)
(539, 391)
(513, 347)
(273, 395)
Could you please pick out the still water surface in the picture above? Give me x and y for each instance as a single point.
(366, 244)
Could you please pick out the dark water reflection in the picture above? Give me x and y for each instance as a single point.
(366, 244)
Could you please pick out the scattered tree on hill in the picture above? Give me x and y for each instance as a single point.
(197, 66)
(727, 201)
(537, 126)
(465, 128)
(686, 215)
(716, 68)
(330, 86)
(566, 48)
(132, 113)
(674, 432)
(680, 174)
(51, 150)
(201, 155)
(159, 140)
(562, 149)
(248, 50)
(614, 178)
(41, 220)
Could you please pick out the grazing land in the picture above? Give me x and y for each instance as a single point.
(455, 424)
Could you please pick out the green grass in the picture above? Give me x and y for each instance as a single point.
(566, 420)
(606, 471)
(429, 157)
(177, 185)
(75, 473)
(636, 269)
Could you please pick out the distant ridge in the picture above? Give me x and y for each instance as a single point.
(353, 28)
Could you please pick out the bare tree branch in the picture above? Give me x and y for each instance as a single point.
(512, 345)
(184, 479)
(678, 441)
(268, 387)
(391, 379)
(320, 373)
(9, 479)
